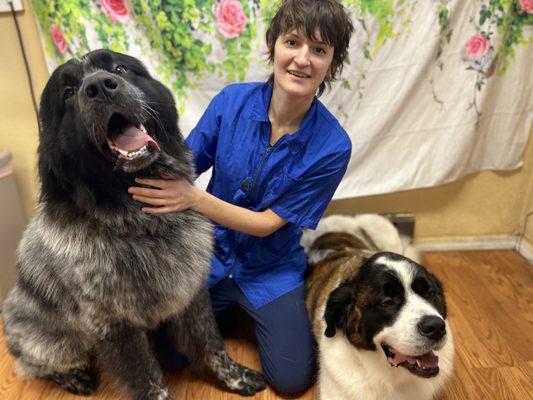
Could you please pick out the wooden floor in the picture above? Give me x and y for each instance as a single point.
(489, 295)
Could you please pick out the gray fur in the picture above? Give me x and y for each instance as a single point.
(96, 275)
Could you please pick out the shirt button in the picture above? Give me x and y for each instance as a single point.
(245, 185)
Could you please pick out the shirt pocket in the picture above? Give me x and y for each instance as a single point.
(261, 254)
(281, 184)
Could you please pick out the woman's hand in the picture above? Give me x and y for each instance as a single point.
(167, 195)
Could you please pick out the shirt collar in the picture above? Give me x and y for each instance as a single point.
(260, 103)
(259, 112)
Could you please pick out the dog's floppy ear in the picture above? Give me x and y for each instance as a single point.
(339, 303)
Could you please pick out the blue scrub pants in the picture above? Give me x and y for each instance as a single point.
(287, 347)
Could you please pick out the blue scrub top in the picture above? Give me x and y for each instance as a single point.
(295, 178)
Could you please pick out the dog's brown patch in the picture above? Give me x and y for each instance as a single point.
(337, 241)
(371, 245)
(355, 333)
(326, 275)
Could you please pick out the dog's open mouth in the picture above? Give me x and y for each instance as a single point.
(130, 143)
(128, 140)
(425, 365)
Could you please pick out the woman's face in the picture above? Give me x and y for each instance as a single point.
(300, 64)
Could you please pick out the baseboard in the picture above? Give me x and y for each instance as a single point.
(468, 243)
(526, 250)
(478, 243)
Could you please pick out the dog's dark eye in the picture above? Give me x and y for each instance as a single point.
(121, 69)
(430, 293)
(388, 303)
(68, 93)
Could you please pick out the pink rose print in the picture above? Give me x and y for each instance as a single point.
(231, 18)
(479, 55)
(116, 10)
(59, 39)
(477, 46)
(527, 5)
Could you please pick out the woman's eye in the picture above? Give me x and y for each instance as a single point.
(291, 42)
(121, 69)
(68, 93)
(320, 50)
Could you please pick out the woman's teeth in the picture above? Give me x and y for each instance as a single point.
(298, 74)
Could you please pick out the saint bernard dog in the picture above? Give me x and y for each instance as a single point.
(379, 317)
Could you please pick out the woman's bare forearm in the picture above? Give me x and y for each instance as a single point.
(256, 223)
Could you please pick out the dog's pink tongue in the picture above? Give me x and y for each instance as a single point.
(132, 138)
(428, 360)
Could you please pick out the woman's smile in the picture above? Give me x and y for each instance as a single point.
(299, 75)
(301, 64)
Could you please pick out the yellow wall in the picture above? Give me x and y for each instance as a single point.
(482, 204)
(18, 125)
(526, 223)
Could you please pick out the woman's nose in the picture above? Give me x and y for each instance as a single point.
(302, 58)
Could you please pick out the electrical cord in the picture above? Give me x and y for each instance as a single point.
(28, 73)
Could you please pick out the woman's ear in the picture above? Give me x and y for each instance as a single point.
(270, 51)
(339, 303)
(331, 72)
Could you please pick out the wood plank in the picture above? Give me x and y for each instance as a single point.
(490, 295)
(470, 316)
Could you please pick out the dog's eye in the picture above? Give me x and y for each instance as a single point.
(121, 69)
(431, 293)
(388, 303)
(68, 93)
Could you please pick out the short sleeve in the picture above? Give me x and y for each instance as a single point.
(203, 139)
(305, 202)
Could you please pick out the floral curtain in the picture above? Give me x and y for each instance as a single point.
(433, 89)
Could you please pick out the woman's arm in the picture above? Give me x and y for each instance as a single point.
(174, 195)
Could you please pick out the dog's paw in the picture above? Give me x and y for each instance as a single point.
(155, 393)
(246, 381)
(77, 381)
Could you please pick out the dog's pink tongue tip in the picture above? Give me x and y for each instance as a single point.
(429, 359)
(132, 138)
(154, 145)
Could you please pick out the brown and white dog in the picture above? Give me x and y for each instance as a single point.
(371, 308)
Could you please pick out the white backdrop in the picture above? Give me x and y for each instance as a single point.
(421, 106)
(402, 137)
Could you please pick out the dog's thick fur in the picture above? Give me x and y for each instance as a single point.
(95, 273)
(370, 308)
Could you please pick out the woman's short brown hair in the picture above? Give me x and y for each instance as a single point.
(309, 16)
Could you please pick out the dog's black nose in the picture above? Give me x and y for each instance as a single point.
(432, 327)
(100, 86)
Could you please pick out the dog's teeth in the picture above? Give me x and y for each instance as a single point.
(135, 154)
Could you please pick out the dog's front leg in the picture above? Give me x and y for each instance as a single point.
(195, 332)
(124, 351)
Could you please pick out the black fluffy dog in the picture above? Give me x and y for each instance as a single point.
(96, 274)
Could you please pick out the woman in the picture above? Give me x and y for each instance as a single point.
(277, 156)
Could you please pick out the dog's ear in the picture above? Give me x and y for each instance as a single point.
(340, 301)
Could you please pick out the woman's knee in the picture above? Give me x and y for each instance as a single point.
(291, 379)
